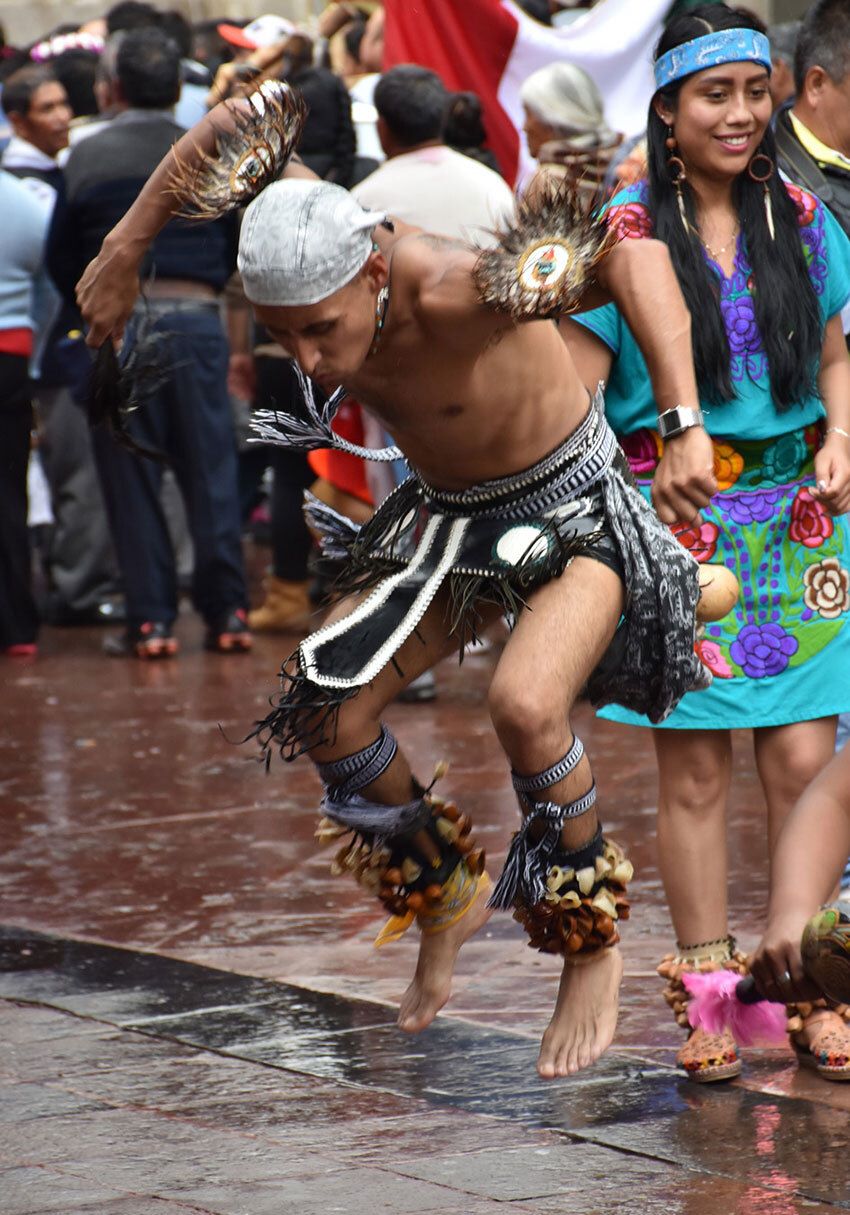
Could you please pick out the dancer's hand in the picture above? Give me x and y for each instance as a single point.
(777, 965)
(832, 474)
(684, 480)
(107, 292)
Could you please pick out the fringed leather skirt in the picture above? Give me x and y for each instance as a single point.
(494, 543)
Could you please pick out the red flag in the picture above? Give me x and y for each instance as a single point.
(468, 45)
(492, 46)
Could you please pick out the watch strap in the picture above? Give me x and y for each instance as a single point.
(677, 420)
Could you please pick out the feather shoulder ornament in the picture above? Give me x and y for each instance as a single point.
(546, 259)
(248, 157)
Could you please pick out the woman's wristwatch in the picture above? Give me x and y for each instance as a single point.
(676, 421)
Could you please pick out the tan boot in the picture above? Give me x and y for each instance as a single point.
(286, 607)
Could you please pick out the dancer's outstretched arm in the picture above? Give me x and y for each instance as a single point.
(109, 287)
(810, 855)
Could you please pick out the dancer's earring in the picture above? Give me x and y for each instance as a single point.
(676, 169)
(761, 169)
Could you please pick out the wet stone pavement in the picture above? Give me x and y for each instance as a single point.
(193, 1017)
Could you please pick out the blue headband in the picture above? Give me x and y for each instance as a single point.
(724, 46)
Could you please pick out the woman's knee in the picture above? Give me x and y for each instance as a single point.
(792, 764)
(694, 776)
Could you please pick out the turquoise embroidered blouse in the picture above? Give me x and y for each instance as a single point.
(630, 404)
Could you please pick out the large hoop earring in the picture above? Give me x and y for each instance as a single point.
(678, 175)
(762, 175)
(766, 175)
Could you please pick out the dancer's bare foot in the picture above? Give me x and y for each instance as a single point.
(585, 1016)
(432, 982)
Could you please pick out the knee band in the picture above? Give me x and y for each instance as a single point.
(344, 777)
(525, 785)
(528, 858)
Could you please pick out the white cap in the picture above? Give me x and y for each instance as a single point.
(262, 31)
(303, 240)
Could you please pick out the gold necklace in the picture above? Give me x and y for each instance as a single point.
(716, 254)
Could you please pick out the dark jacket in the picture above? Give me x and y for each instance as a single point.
(328, 143)
(829, 182)
(103, 177)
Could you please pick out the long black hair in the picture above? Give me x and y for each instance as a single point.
(784, 298)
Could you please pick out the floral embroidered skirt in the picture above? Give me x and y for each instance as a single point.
(783, 653)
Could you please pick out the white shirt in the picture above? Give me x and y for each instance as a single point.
(439, 190)
(365, 117)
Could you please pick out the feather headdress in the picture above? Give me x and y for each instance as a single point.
(248, 157)
(547, 257)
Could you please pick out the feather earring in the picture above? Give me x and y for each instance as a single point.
(678, 175)
(763, 177)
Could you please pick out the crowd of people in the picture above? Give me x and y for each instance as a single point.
(714, 308)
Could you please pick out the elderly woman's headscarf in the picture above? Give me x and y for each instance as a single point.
(564, 97)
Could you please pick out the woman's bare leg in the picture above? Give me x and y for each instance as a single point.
(694, 776)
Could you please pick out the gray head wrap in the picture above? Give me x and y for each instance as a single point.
(564, 97)
(301, 241)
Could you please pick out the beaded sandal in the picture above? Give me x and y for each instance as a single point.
(708, 1057)
(705, 1058)
(828, 1051)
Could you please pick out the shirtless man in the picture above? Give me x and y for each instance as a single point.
(471, 397)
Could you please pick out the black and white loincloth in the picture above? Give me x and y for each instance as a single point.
(494, 543)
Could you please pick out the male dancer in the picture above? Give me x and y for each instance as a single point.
(517, 500)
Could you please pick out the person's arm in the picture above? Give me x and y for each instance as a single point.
(638, 276)
(109, 286)
(832, 462)
(593, 359)
(810, 855)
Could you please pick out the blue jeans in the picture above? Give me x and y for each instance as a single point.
(188, 418)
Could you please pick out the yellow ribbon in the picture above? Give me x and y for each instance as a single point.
(445, 913)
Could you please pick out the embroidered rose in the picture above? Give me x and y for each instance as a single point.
(629, 220)
(643, 450)
(701, 542)
(728, 465)
(805, 203)
(742, 329)
(783, 460)
(827, 588)
(758, 507)
(763, 649)
(711, 656)
(810, 524)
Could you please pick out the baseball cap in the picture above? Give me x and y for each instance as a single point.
(302, 240)
(262, 31)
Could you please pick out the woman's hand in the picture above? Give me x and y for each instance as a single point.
(108, 290)
(684, 481)
(777, 965)
(832, 474)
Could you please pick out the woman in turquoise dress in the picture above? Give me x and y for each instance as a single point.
(765, 270)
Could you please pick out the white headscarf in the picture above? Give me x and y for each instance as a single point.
(564, 97)
(302, 240)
